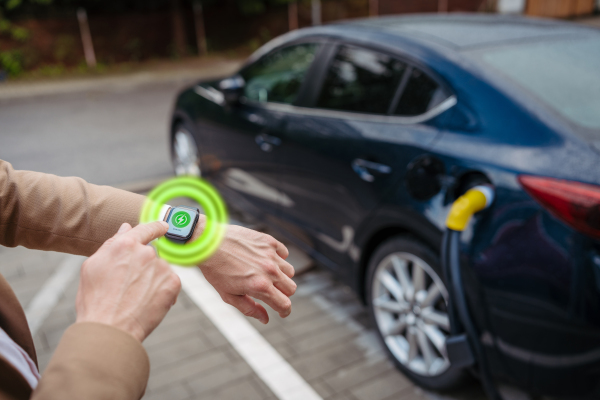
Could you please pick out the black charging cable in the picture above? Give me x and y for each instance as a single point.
(458, 308)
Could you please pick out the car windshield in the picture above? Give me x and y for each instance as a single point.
(563, 74)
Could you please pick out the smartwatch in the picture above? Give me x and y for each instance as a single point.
(182, 221)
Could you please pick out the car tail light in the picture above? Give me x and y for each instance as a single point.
(577, 204)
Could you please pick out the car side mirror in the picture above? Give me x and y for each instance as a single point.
(232, 89)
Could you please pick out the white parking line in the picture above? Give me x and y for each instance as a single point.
(45, 300)
(268, 364)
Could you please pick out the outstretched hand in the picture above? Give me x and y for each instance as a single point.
(251, 264)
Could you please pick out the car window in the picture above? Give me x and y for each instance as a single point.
(277, 77)
(361, 81)
(563, 74)
(421, 94)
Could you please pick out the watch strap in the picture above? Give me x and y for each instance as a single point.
(167, 212)
(178, 241)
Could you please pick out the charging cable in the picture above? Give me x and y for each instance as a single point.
(464, 347)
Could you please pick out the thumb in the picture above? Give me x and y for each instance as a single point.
(247, 306)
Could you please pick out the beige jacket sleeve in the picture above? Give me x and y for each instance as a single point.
(47, 212)
(95, 361)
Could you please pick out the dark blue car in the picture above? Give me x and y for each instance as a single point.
(353, 139)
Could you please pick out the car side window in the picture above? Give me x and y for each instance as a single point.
(277, 77)
(420, 95)
(361, 80)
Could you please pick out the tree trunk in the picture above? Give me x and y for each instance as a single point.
(373, 8)
(442, 6)
(86, 38)
(293, 15)
(316, 12)
(200, 32)
(178, 28)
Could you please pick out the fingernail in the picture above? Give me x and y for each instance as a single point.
(123, 227)
(164, 224)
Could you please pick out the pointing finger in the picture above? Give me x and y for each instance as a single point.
(125, 227)
(145, 233)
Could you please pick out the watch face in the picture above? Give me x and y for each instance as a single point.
(181, 222)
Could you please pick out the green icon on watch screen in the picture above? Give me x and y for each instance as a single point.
(181, 219)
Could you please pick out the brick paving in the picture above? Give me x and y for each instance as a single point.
(327, 339)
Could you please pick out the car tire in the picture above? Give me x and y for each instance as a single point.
(185, 154)
(412, 327)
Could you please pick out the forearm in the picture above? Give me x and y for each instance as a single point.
(95, 361)
(47, 212)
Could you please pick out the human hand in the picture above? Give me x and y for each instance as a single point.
(251, 264)
(125, 285)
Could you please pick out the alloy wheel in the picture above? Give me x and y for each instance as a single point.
(185, 154)
(409, 302)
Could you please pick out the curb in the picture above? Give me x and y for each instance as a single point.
(128, 81)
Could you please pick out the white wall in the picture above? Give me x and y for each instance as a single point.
(512, 6)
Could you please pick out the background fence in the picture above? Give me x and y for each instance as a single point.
(139, 30)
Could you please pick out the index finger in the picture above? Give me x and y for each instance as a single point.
(145, 233)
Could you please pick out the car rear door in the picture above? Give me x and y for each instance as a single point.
(345, 149)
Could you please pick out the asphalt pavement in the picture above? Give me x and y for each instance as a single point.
(108, 131)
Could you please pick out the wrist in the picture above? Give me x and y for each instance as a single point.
(131, 328)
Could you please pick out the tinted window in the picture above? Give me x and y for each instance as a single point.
(420, 95)
(361, 81)
(563, 74)
(277, 77)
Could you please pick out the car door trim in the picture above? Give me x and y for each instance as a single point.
(391, 119)
(210, 94)
(400, 89)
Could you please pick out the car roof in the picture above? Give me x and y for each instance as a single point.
(444, 34)
(467, 31)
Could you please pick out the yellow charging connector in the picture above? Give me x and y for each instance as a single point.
(476, 199)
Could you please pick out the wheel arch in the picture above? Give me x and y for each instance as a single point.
(179, 117)
(182, 117)
(387, 223)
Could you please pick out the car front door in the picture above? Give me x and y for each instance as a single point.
(243, 136)
(352, 144)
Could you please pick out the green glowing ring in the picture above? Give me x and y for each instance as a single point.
(206, 195)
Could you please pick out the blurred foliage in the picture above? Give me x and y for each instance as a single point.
(11, 60)
(15, 9)
(135, 49)
(51, 70)
(253, 7)
(64, 48)
(19, 53)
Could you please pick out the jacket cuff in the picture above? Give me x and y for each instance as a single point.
(95, 361)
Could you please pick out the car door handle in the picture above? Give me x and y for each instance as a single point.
(267, 142)
(362, 168)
